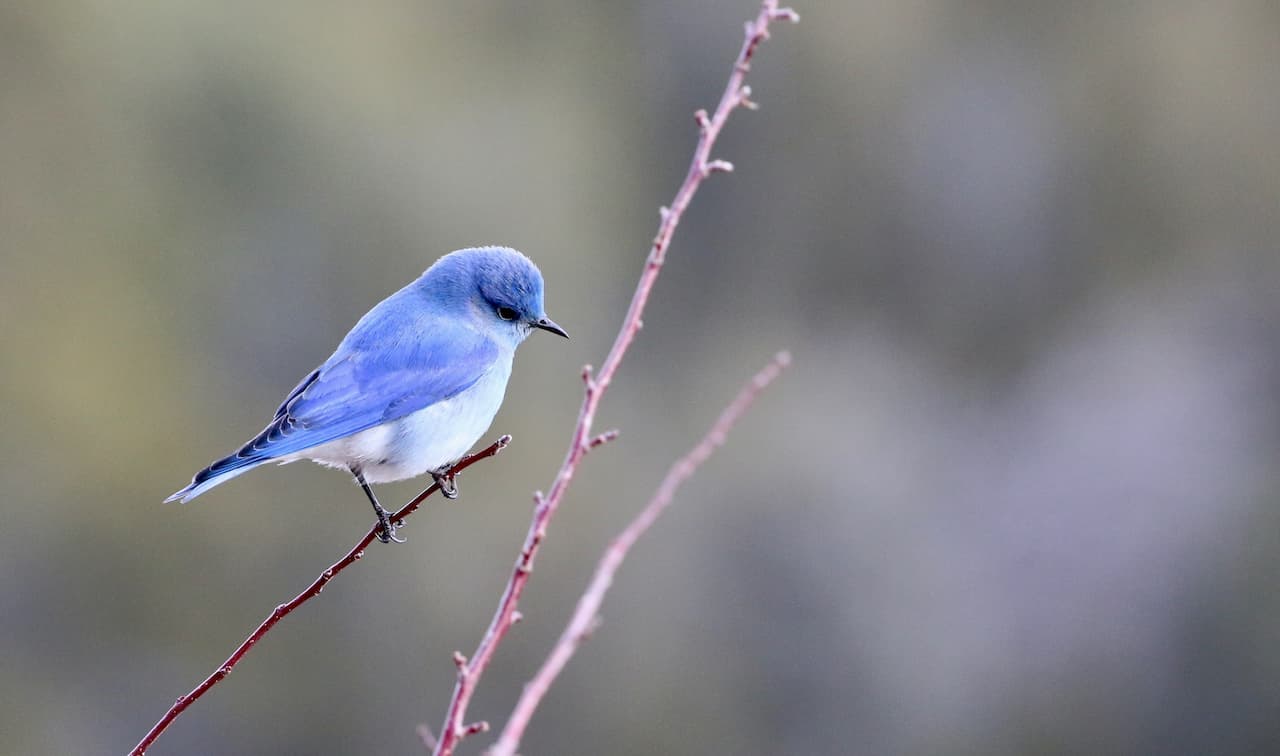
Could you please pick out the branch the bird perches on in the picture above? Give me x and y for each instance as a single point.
(280, 612)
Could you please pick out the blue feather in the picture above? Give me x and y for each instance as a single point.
(365, 383)
(423, 372)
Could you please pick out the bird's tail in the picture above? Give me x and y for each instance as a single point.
(219, 472)
(256, 452)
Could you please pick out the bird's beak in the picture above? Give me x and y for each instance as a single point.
(547, 324)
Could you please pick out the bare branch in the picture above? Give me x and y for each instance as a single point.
(586, 617)
(313, 590)
(709, 127)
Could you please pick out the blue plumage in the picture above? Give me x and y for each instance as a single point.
(414, 384)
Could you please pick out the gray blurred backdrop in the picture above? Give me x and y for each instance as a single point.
(1017, 495)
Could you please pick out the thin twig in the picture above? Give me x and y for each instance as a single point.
(427, 737)
(595, 385)
(313, 590)
(587, 614)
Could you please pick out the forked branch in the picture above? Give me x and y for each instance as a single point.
(586, 617)
(736, 94)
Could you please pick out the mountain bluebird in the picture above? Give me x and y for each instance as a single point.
(412, 386)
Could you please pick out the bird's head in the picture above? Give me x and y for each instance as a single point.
(498, 285)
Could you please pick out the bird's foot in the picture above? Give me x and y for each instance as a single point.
(448, 484)
(387, 528)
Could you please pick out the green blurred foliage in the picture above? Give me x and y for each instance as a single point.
(1017, 494)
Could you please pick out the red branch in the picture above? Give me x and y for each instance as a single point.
(735, 95)
(586, 616)
(313, 590)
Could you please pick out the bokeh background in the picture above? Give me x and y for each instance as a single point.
(1017, 495)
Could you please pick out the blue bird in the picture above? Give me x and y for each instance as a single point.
(413, 386)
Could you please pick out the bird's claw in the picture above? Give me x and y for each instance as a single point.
(448, 484)
(387, 529)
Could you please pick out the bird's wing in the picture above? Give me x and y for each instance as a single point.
(396, 361)
(385, 369)
(374, 381)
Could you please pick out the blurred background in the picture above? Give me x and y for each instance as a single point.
(1018, 493)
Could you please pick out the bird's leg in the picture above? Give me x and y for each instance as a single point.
(387, 532)
(448, 484)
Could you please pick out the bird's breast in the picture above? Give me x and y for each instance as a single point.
(432, 437)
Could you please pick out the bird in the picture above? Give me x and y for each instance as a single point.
(412, 386)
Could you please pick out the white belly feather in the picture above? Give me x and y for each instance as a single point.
(424, 441)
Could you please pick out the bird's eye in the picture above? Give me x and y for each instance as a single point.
(506, 313)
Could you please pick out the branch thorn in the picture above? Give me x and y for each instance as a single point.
(604, 438)
(786, 14)
(474, 728)
(717, 166)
